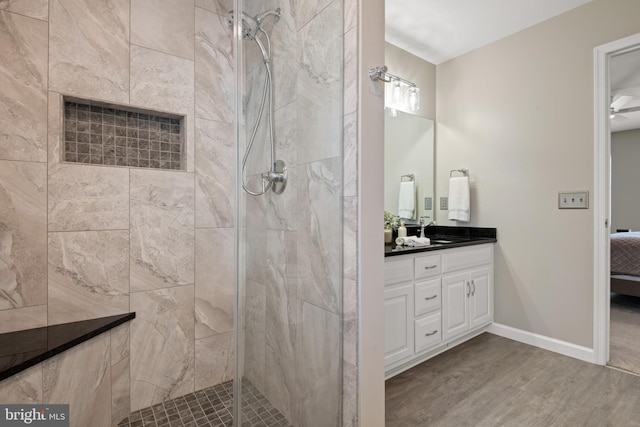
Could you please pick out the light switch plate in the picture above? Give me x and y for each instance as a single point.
(573, 200)
(444, 203)
(428, 203)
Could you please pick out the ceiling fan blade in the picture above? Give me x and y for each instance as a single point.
(620, 102)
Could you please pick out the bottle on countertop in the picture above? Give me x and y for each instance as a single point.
(402, 230)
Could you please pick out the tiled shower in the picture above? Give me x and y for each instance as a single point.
(155, 233)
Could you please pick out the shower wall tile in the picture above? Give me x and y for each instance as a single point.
(318, 367)
(88, 275)
(255, 357)
(281, 386)
(350, 238)
(167, 29)
(309, 9)
(320, 88)
(221, 7)
(162, 345)
(350, 155)
(256, 262)
(88, 198)
(162, 229)
(23, 388)
(319, 247)
(89, 49)
(255, 333)
(350, 14)
(120, 391)
(38, 9)
(350, 82)
(215, 174)
(283, 308)
(161, 81)
(88, 388)
(255, 298)
(214, 360)
(55, 134)
(23, 234)
(120, 373)
(214, 67)
(215, 275)
(349, 395)
(165, 82)
(282, 209)
(18, 319)
(23, 87)
(350, 321)
(284, 53)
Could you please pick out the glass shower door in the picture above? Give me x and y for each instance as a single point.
(289, 213)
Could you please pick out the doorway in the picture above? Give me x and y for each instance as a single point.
(603, 226)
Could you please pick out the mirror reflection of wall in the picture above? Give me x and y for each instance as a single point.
(408, 149)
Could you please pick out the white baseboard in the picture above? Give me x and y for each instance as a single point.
(557, 346)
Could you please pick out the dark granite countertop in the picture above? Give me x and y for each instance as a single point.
(22, 349)
(449, 237)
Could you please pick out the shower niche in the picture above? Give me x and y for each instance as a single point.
(106, 134)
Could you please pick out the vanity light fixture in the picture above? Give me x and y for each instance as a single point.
(397, 99)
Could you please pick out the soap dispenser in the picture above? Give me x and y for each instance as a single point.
(402, 230)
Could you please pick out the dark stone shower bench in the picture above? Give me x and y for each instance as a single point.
(22, 349)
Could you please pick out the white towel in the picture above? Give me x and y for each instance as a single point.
(407, 200)
(459, 200)
(413, 241)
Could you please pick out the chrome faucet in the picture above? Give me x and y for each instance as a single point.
(423, 219)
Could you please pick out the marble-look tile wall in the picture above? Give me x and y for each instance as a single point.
(296, 287)
(81, 241)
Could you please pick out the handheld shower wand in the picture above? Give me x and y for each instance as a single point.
(275, 179)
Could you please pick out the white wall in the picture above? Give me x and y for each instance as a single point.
(625, 176)
(518, 113)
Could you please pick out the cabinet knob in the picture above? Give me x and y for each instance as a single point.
(429, 267)
(432, 297)
(428, 334)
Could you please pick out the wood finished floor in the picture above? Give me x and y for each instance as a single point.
(493, 381)
(624, 336)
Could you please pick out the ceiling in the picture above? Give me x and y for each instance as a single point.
(625, 80)
(439, 30)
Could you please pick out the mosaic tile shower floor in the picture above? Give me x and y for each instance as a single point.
(211, 407)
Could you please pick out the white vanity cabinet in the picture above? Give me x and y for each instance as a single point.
(434, 300)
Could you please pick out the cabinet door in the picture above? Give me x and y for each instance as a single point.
(398, 323)
(455, 302)
(481, 301)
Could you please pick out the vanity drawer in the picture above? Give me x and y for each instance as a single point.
(427, 266)
(465, 258)
(428, 297)
(398, 271)
(428, 332)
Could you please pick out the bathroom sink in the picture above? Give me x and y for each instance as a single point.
(447, 240)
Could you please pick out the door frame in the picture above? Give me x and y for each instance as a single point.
(602, 193)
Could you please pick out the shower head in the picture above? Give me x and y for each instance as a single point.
(251, 25)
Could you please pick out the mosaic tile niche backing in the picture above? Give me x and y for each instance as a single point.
(106, 135)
